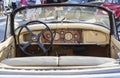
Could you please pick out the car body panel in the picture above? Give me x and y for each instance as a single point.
(7, 49)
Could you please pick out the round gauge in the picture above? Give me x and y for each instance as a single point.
(76, 35)
(62, 32)
(68, 36)
(57, 36)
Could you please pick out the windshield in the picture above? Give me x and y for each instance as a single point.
(79, 1)
(64, 14)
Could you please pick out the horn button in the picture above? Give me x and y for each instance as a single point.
(34, 38)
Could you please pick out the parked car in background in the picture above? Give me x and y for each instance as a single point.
(114, 6)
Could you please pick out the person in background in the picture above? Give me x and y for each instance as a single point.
(14, 6)
(24, 2)
(43, 1)
(38, 2)
(18, 3)
(49, 1)
(1, 7)
(6, 5)
(56, 1)
(63, 0)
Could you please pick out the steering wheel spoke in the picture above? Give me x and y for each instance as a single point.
(42, 32)
(42, 47)
(29, 30)
(26, 45)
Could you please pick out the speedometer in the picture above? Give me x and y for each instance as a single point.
(68, 36)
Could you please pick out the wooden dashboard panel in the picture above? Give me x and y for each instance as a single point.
(60, 36)
(71, 36)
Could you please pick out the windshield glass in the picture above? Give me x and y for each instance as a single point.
(79, 1)
(64, 14)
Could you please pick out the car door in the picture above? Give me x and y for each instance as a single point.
(7, 46)
(115, 40)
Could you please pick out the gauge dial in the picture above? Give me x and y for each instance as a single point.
(68, 36)
(57, 36)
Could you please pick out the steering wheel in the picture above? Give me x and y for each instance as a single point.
(35, 38)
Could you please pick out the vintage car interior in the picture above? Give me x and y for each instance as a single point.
(60, 36)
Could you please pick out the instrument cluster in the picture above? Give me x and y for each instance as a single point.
(64, 36)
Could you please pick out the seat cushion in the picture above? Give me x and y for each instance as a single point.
(83, 60)
(58, 61)
(32, 61)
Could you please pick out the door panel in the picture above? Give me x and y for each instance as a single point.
(115, 47)
(7, 48)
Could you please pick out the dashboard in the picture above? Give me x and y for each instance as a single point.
(70, 36)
